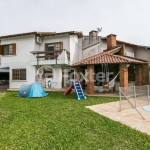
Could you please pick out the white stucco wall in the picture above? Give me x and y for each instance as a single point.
(24, 45)
(54, 39)
(80, 49)
(129, 48)
(103, 45)
(93, 50)
(23, 57)
(57, 81)
(142, 53)
(30, 75)
(74, 51)
(66, 77)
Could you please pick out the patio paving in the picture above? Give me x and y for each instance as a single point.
(128, 115)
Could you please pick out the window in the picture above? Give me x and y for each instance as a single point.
(8, 49)
(18, 74)
(131, 54)
(51, 48)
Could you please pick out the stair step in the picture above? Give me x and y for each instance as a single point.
(78, 90)
(81, 96)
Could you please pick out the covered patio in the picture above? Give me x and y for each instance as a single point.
(129, 69)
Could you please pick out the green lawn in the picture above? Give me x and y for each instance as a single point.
(62, 123)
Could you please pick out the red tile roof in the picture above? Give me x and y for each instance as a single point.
(107, 58)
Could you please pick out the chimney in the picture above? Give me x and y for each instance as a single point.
(111, 41)
(92, 36)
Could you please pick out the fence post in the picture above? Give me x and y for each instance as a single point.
(134, 95)
(0, 59)
(148, 98)
(120, 98)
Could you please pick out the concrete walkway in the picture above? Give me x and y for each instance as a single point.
(3, 89)
(128, 114)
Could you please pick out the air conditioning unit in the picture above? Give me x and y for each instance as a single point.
(38, 40)
(130, 54)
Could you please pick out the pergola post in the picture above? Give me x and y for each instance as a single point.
(138, 75)
(90, 83)
(145, 74)
(123, 69)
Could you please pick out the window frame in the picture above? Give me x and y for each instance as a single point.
(13, 49)
(55, 48)
(8, 49)
(19, 74)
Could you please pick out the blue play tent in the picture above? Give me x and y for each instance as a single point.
(31, 90)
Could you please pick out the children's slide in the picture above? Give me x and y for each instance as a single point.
(78, 90)
(67, 92)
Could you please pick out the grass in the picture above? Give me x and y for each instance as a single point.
(1, 94)
(56, 122)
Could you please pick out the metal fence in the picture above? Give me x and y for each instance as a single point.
(137, 96)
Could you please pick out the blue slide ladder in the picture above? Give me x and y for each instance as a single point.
(78, 90)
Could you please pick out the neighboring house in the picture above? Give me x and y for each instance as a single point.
(22, 54)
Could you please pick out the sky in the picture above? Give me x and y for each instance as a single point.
(128, 19)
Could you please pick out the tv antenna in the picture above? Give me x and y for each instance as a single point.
(99, 29)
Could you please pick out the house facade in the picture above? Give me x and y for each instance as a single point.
(22, 56)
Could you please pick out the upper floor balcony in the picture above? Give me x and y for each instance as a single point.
(52, 57)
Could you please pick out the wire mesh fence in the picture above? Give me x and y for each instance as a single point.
(136, 96)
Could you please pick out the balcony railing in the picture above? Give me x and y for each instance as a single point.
(51, 55)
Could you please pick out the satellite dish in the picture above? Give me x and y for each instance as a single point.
(99, 29)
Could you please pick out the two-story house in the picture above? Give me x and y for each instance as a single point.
(55, 56)
(22, 54)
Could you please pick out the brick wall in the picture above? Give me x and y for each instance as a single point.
(90, 84)
(145, 74)
(111, 41)
(123, 75)
(138, 75)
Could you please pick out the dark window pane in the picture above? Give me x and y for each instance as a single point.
(6, 50)
(23, 74)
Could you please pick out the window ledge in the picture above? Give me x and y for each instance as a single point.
(18, 81)
(7, 55)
